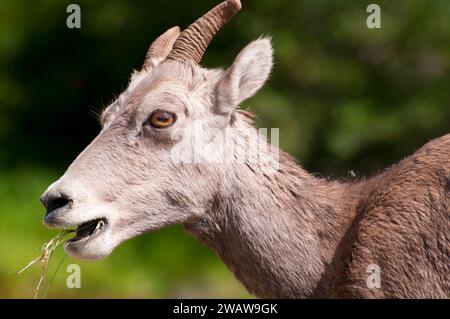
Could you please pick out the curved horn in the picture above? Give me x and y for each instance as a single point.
(192, 42)
(160, 48)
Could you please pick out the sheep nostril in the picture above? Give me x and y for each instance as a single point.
(54, 201)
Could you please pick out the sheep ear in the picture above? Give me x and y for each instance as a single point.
(245, 76)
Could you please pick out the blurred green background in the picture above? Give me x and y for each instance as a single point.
(347, 99)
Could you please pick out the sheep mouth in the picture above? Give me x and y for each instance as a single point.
(88, 229)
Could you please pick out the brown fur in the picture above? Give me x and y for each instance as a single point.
(398, 220)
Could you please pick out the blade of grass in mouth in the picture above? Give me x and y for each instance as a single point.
(49, 248)
(99, 225)
(47, 251)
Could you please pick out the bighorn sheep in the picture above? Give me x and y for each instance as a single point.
(283, 233)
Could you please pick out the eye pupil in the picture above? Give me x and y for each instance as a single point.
(162, 119)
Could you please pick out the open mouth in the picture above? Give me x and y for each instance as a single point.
(88, 230)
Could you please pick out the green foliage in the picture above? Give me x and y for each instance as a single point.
(345, 97)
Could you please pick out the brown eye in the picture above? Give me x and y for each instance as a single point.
(162, 119)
